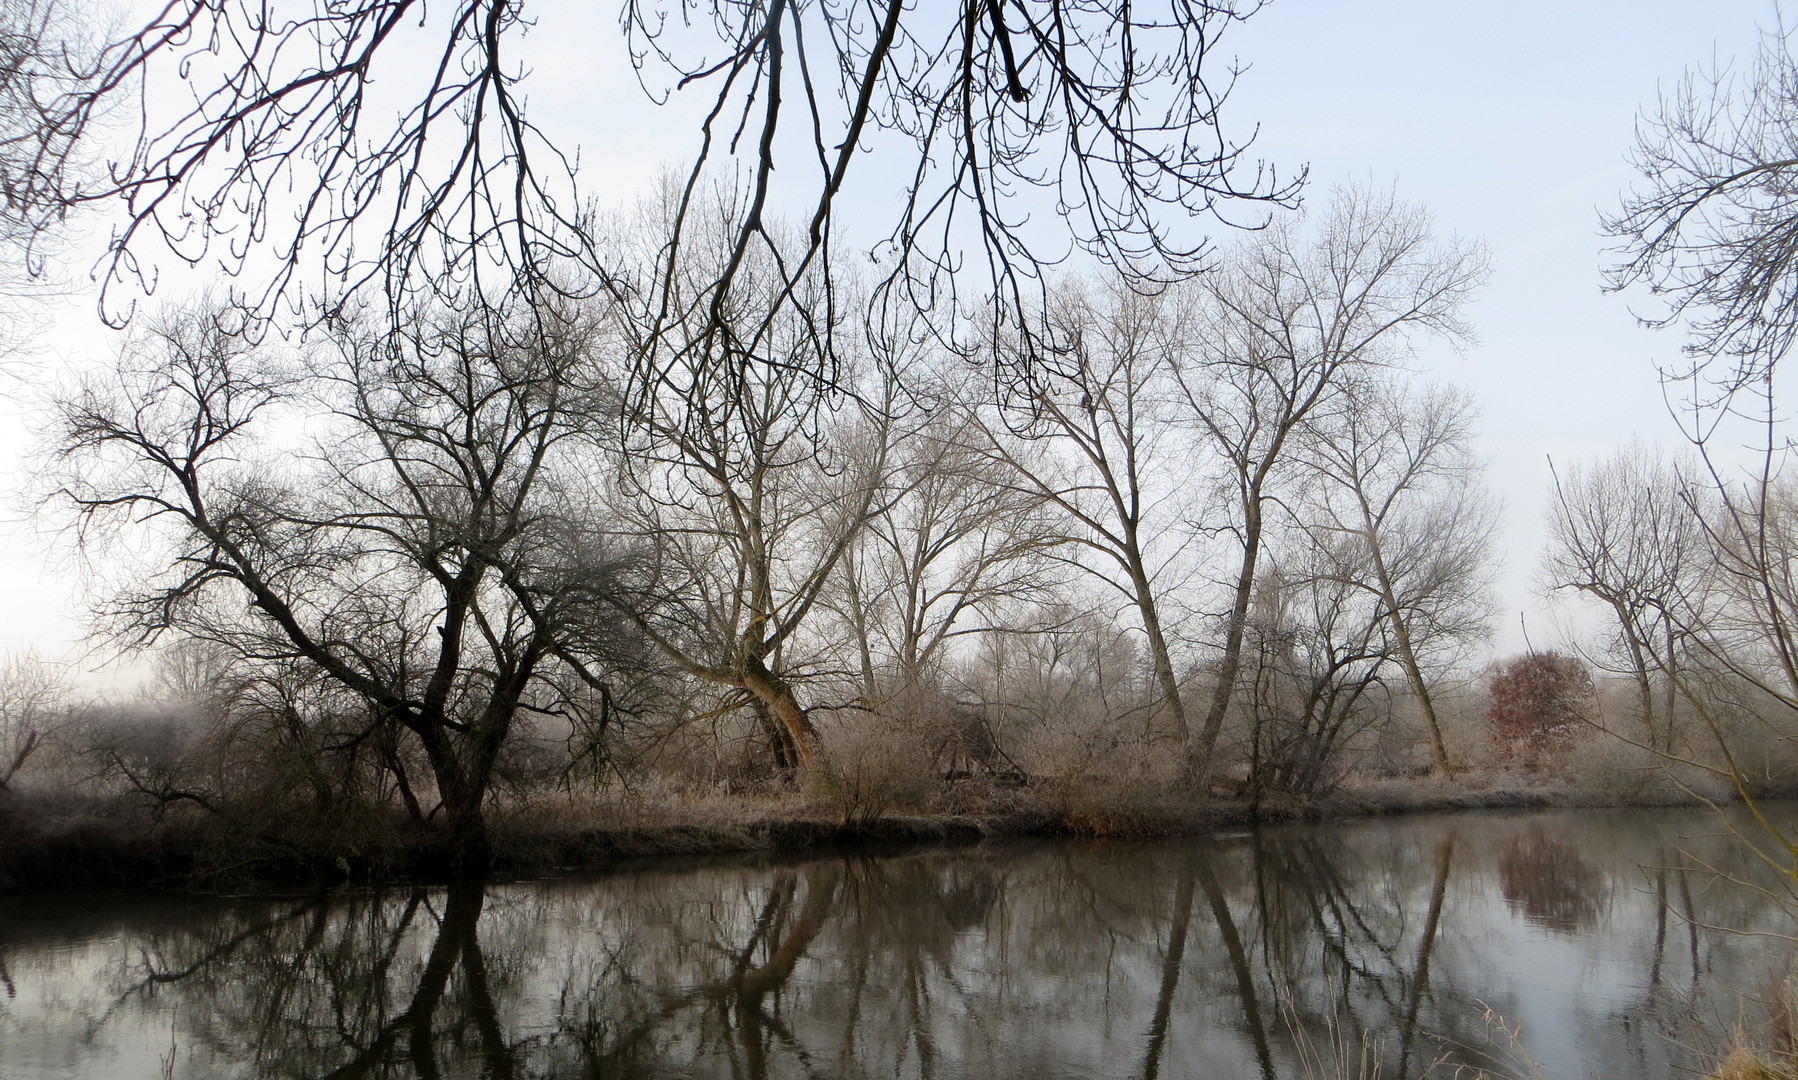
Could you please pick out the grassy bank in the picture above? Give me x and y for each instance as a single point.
(70, 840)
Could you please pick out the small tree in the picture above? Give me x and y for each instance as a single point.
(1538, 699)
(33, 701)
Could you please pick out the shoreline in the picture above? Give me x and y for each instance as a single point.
(201, 857)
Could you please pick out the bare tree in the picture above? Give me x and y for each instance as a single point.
(1738, 618)
(1094, 443)
(1401, 481)
(750, 473)
(34, 702)
(1713, 229)
(44, 57)
(421, 556)
(284, 160)
(752, 512)
(1624, 531)
(1295, 318)
(957, 549)
(1320, 648)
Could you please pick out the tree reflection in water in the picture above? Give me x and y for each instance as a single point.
(1039, 960)
(1548, 882)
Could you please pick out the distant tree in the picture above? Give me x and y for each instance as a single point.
(1319, 654)
(34, 702)
(1625, 531)
(1094, 443)
(1402, 485)
(954, 555)
(748, 473)
(1538, 701)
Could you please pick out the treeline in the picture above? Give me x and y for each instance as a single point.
(1203, 538)
(1196, 533)
(1688, 561)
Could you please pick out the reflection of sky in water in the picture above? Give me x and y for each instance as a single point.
(1035, 961)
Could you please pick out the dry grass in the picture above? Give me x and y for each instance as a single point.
(1741, 1063)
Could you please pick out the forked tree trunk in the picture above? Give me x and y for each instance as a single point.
(1401, 630)
(1425, 704)
(774, 692)
(780, 744)
(1158, 650)
(463, 770)
(1639, 665)
(1199, 755)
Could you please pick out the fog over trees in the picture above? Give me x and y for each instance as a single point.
(468, 495)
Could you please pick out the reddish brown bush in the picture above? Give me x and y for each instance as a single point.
(1539, 701)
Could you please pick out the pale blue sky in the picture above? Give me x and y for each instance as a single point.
(1511, 123)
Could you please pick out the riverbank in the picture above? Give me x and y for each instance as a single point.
(1418, 931)
(68, 841)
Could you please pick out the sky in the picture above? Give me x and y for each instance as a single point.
(1510, 122)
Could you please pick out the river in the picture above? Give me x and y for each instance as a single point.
(1266, 954)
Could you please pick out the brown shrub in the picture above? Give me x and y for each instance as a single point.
(1539, 701)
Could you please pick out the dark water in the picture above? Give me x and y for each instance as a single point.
(1240, 957)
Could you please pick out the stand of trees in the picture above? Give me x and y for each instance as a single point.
(527, 495)
(467, 488)
(431, 566)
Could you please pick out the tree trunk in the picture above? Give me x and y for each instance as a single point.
(775, 692)
(463, 773)
(1408, 656)
(780, 744)
(467, 849)
(1198, 757)
(1158, 650)
(1672, 685)
(1639, 662)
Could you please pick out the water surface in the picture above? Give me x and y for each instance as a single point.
(1234, 957)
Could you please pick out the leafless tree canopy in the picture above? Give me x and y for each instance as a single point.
(1295, 322)
(44, 58)
(1624, 531)
(432, 553)
(1713, 227)
(284, 165)
(424, 559)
